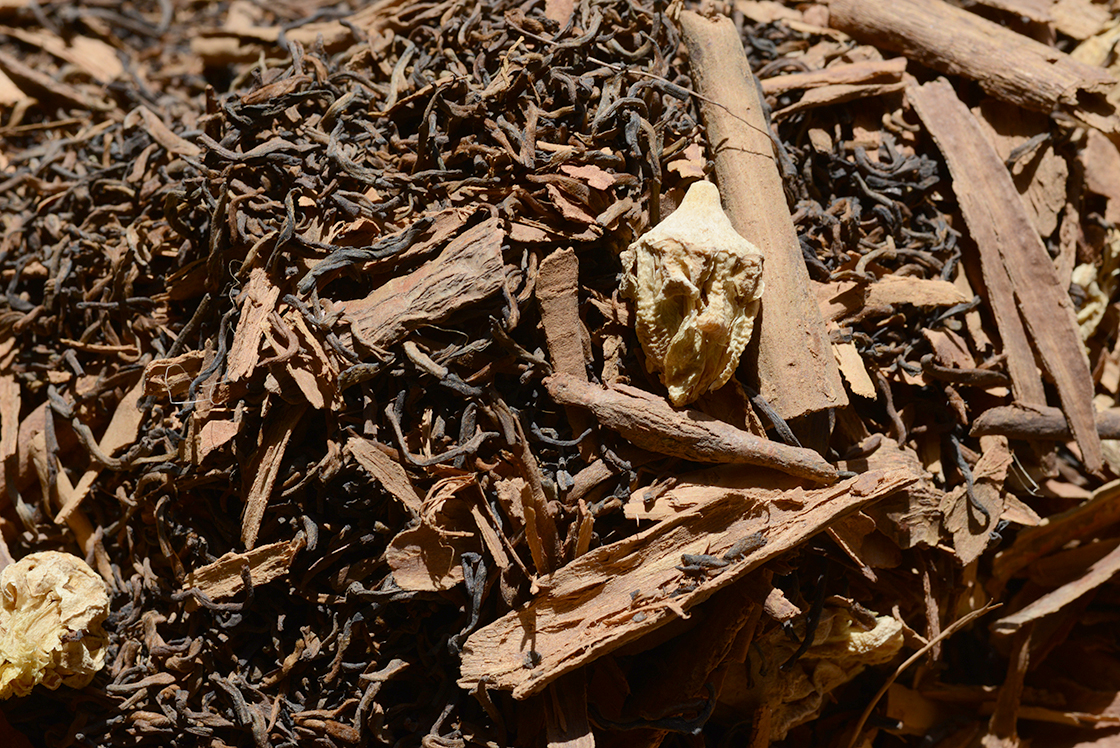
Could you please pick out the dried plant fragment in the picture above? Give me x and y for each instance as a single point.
(51, 612)
(696, 286)
(587, 608)
(795, 690)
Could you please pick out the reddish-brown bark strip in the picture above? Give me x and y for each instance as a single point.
(796, 370)
(1010, 248)
(467, 271)
(650, 423)
(1009, 66)
(1021, 422)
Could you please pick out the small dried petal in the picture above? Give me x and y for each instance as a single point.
(52, 606)
(695, 284)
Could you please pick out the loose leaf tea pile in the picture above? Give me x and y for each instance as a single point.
(314, 344)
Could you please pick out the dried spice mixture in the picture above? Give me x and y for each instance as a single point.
(559, 372)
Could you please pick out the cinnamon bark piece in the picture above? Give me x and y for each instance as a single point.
(623, 591)
(557, 293)
(837, 84)
(265, 468)
(793, 362)
(1012, 255)
(222, 579)
(1022, 422)
(1009, 66)
(1100, 572)
(855, 73)
(468, 270)
(650, 423)
(1078, 523)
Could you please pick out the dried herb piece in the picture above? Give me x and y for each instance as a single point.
(52, 606)
(696, 286)
(841, 647)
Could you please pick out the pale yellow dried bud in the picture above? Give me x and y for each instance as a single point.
(695, 284)
(52, 606)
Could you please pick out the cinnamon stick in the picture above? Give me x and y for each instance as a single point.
(1012, 255)
(1021, 422)
(792, 360)
(1009, 66)
(650, 423)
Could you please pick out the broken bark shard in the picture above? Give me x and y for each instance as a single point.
(589, 608)
(650, 423)
(468, 270)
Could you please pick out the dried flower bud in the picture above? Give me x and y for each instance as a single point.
(696, 286)
(52, 606)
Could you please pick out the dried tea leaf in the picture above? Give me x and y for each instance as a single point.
(696, 286)
(51, 611)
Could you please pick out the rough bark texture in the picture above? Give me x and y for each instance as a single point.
(1009, 66)
(790, 355)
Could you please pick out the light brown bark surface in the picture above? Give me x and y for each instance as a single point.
(1009, 66)
(791, 356)
(1012, 255)
(650, 423)
(588, 608)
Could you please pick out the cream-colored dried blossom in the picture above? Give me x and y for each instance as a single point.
(841, 650)
(695, 284)
(794, 690)
(52, 606)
